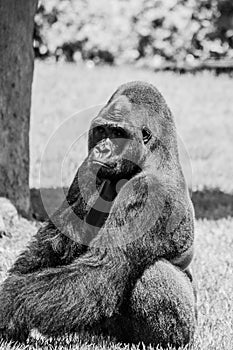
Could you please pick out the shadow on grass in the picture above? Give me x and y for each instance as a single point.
(211, 204)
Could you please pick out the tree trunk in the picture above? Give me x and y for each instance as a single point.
(16, 73)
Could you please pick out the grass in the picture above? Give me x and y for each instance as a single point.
(202, 105)
(203, 108)
(212, 266)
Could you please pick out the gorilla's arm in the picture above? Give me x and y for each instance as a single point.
(48, 248)
(76, 295)
(58, 242)
(92, 287)
(62, 299)
(151, 218)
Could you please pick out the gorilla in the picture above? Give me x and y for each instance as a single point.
(114, 258)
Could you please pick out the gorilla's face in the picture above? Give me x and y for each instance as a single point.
(116, 145)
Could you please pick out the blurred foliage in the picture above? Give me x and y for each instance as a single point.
(152, 33)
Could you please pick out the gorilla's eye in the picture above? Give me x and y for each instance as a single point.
(117, 133)
(99, 134)
(146, 134)
(100, 130)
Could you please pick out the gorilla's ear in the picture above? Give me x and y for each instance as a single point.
(146, 134)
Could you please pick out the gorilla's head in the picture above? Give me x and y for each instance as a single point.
(135, 126)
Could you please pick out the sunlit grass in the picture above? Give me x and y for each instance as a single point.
(212, 266)
(202, 105)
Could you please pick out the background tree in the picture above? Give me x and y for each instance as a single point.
(16, 72)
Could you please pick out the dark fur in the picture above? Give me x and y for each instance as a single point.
(131, 280)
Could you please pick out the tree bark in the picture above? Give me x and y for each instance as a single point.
(16, 73)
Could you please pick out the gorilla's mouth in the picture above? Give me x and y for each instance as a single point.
(102, 164)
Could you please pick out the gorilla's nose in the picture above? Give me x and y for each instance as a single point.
(103, 149)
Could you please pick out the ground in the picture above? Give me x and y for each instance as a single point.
(203, 108)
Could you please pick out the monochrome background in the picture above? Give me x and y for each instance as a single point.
(84, 50)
